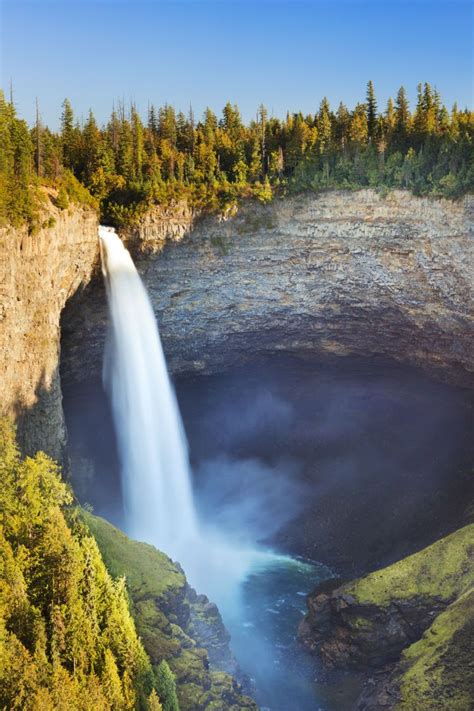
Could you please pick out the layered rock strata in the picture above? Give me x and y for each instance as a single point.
(335, 274)
(38, 273)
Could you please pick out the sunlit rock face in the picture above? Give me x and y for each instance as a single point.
(339, 273)
(335, 274)
(39, 272)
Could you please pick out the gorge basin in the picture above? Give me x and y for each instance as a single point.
(272, 604)
(350, 463)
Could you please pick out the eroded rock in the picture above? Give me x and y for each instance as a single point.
(39, 273)
(367, 622)
(419, 608)
(333, 274)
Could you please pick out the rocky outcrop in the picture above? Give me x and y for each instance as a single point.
(419, 608)
(175, 623)
(434, 674)
(437, 672)
(160, 225)
(39, 272)
(332, 274)
(367, 622)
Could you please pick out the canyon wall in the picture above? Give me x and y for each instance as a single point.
(333, 274)
(38, 273)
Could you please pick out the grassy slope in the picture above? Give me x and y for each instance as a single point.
(437, 672)
(160, 608)
(444, 570)
(148, 571)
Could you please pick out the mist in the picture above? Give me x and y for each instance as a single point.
(331, 461)
(336, 468)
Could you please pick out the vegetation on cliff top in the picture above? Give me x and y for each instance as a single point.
(128, 165)
(67, 639)
(443, 570)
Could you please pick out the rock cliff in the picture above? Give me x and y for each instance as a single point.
(409, 625)
(335, 274)
(339, 273)
(367, 622)
(39, 272)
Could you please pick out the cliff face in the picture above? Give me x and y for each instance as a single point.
(340, 273)
(38, 274)
(367, 622)
(408, 625)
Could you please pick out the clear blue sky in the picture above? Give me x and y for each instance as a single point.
(284, 53)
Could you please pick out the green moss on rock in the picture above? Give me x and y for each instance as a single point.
(438, 670)
(148, 571)
(443, 570)
(370, 621)
(167, 614)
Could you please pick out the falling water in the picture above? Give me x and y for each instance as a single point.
(156, 477)
(153, 450)
(157, 491)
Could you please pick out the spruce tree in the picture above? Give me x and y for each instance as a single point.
(166, 687)
(68, 135)
(371, 111)
(342, 126)
(402, 120)
(262, 121)
(324, 126)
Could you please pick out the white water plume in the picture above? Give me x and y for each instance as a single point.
(156, 477)
(153, 451)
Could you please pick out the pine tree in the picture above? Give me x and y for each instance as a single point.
(231, 121)
(390, 118)
(166, 687)
(342, 126)
(38, 146)
(255, 171)
(419, 115)
(324, 126)
(68, 135)
(430, 110)
(297, 140)
(402, 120)
(167, 128)
(358, 127)
(138, 143)
(111, 683)
(152, 120)
(90, 150)
(371, 111)
(262, 121)
(154, 703)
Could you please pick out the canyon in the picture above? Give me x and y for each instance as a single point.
(316, 278)
(334, 274)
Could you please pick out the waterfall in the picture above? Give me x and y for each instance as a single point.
(152, 445)
(156, 477)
